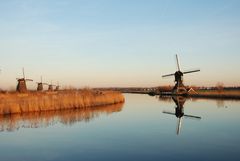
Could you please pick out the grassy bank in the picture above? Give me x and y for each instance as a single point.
(12, 103)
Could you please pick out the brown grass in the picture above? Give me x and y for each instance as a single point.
(11, 103)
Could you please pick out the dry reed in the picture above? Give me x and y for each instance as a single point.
(12, 103)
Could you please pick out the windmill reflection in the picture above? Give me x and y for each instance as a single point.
(179, 112)
(49, 118)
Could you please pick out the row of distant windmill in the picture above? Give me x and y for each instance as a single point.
(178, 89)
(22, 85)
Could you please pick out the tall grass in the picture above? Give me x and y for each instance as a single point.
(12, 103)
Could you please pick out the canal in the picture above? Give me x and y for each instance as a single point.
(143, 128)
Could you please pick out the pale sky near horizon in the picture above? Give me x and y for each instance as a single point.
(118, 43)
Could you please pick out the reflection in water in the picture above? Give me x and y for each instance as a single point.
(179, 111)
(220, 103)
(48, 118)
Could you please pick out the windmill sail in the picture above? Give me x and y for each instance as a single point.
(191, 71)
(179, 125)
(29, 80)
(192, 117)
(168, 75)
(170, 113)
(178, 65)
(23, 73)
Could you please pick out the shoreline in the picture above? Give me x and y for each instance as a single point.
(13, 103)
(215, 96)
(200, 95)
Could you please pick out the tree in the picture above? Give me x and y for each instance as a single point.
(219, 86)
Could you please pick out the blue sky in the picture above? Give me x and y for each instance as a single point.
(105, 43)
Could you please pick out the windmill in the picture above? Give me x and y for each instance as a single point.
(179, 113)
(40, 85)
(179, 88)
(57, 87)
(50, 86)
(21, 86)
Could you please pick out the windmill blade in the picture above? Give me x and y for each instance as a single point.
(23, 73)
(170, 113)
(45, 84)
(178, 103)
(178, 65)
(179, 125)
(168, 75)
(192, 117)
(191, 71)
(41, 83)
(29, 80)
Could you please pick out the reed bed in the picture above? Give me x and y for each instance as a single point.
(12, 103)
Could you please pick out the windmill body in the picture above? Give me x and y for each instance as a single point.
(179, 88)
(50, 87)
(22, 86)
(40, 85)
(57, 88)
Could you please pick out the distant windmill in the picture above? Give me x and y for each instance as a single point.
(21, 86)
(40, 85)
(179, 87)
(179, 101)
(50, 86)
(57, 87)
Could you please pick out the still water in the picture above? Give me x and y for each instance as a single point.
(144, 128)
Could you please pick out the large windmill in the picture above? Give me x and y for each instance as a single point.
(179, 112)
(40, 85)
(21, 86)
(179, 88)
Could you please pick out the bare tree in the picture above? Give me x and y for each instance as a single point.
(219, 87)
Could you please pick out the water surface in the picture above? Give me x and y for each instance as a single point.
(144, 128)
